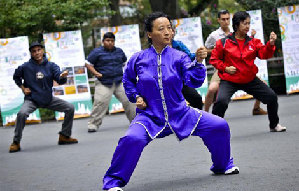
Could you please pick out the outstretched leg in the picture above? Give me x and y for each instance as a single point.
(68, 109)
(215, 134)
(27, 108)
(267, 96)
(225, 92)
(126, 156)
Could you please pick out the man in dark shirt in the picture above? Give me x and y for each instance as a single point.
(106, 64)
(35, 78)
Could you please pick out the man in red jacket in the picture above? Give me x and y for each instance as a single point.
(234, 58)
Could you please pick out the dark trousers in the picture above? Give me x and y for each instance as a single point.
(193, 97)
(57, 105)
(257, 88)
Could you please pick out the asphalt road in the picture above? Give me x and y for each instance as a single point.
(267, 161)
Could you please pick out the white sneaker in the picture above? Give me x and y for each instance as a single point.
(115, 189)
(278, 128)
(92, 128)
(233, 170)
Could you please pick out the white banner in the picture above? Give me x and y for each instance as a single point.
(289, 27)
(256, 23)
(66, 50)
(13, 53)
(127, 38)
(189, 31)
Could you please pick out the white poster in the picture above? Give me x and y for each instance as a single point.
(189, 31)
(127, 38)
(289, 27)
(256, 23)
(13, 53)
(66, 50)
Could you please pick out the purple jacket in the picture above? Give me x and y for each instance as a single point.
(159, 78)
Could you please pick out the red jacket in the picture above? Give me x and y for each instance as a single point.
(227, 53)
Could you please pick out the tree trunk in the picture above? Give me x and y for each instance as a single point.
(170, 7)
(115, 19)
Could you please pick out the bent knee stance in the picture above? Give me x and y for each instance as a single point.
(22, 114)
(220, 107)
(221, 126)
(70, 108)
(223, 101)
(133, 141)
(271, 98)
(213, 89)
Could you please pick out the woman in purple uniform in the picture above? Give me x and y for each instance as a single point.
(153, 79)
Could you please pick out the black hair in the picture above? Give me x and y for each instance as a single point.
(108, 35)
(222, 12)
(239, 17)
(148, 22)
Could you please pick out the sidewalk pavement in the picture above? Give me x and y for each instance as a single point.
(267, 161)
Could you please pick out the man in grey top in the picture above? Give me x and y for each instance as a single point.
(224, 30)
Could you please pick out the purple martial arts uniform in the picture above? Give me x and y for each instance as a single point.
(159, 78)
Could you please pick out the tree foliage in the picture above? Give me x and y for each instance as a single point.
(33, 17)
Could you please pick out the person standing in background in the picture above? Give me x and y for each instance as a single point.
(106, 64)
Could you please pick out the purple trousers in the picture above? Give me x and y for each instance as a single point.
(213, 130)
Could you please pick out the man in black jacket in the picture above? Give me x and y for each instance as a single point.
(35, 78)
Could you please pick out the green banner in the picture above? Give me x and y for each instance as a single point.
(292, 84)
(82, 109)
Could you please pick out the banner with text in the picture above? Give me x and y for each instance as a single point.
(189, 31)
(289, 28)
(127, 38)
(66, 50)
(13, 53)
